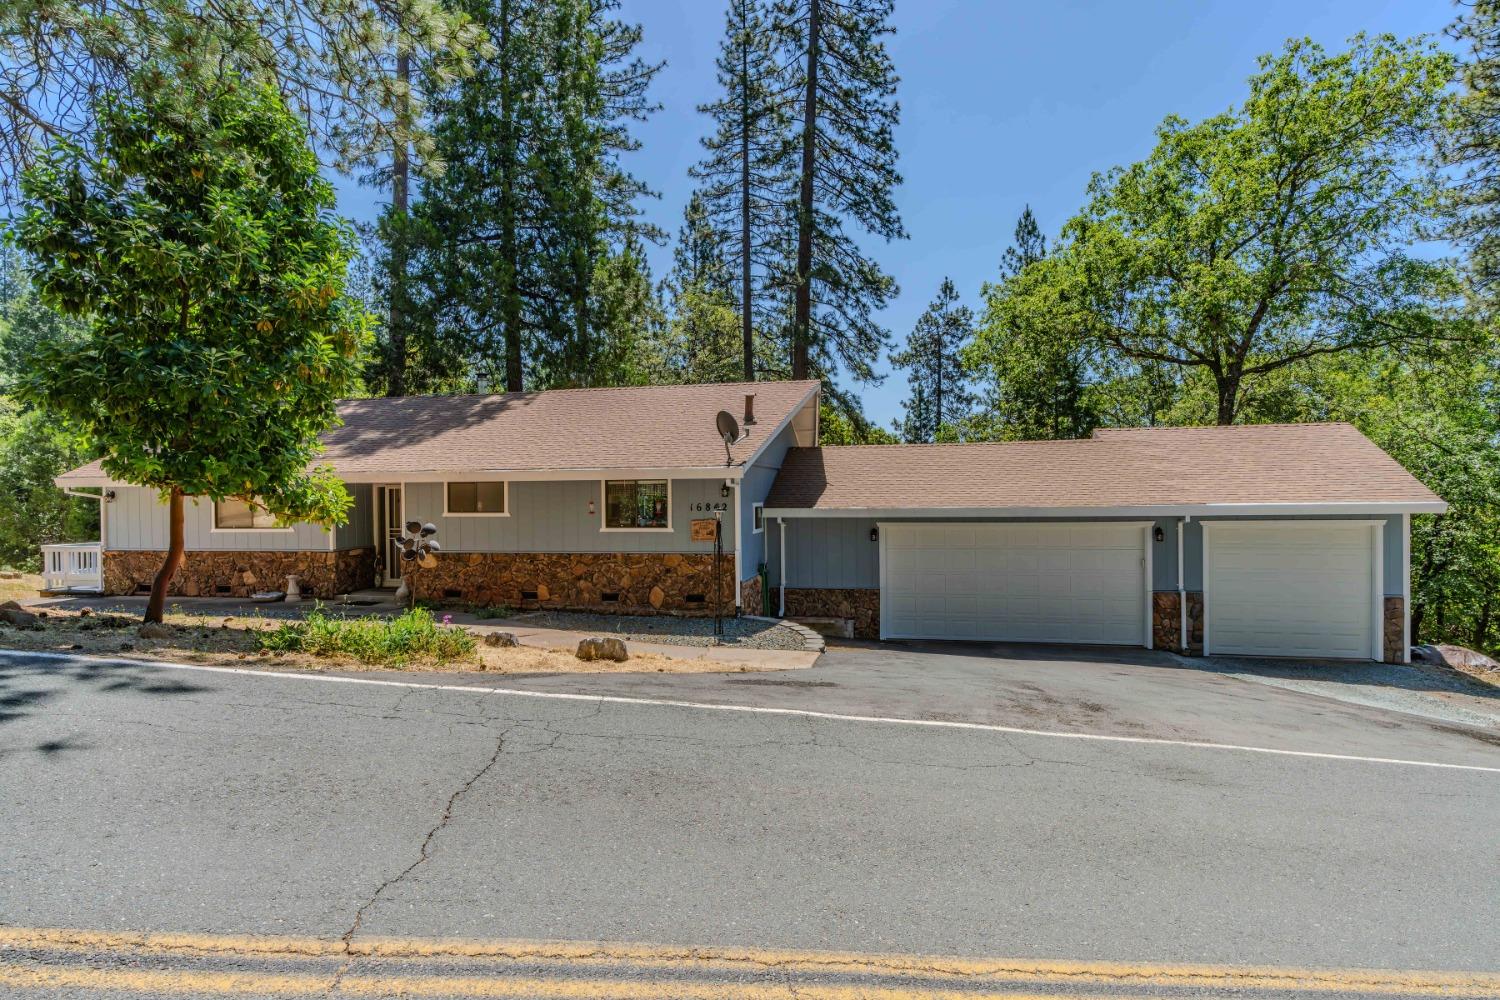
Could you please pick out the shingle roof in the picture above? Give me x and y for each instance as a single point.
(1150, 467)
(636, 427)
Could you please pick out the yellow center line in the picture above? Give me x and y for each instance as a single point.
(564, 958)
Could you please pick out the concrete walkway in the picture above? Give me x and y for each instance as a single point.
(372, 603)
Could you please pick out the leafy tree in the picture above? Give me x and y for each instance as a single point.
(841, 423)
(198, 238)
(332, 60)
(35, 449)
(1472, 144)
(1269, 235)
(844, 120)
(1033, 363)
(941, 395)
(746, 181)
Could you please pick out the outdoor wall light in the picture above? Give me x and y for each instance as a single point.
(591, 508)
(874, 534)
(724, 491)
(1158, 534)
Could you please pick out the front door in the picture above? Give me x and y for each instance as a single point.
(388, 527)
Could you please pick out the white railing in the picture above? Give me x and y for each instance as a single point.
(78, 566)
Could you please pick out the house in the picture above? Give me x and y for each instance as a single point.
(1287, 540)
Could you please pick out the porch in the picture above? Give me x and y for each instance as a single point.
(73, 568)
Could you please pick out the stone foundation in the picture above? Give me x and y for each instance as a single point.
(750, 599)
(862, 606)
(240, 574)
(627, 583)
(1394, 630)
(1166, 621)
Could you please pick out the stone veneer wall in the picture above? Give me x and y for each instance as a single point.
(1393, 628)
(861, 605)
(322, 574)
(750, 599)
(643, 582)
(1166, 621)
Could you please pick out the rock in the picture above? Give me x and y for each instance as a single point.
(1455, 656)
(542, 593)
(657, 597)
(603, 649)
(14, 614)
(155, 630)
(86, 613)
(501, 639)
(9, 574)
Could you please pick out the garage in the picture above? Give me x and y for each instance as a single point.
(1068, 582)
(1292, 588)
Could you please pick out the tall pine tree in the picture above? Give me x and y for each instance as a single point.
(940, 393)
(1472, 144)
(746, 183)
(845, 159)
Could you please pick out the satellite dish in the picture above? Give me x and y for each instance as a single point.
(729, 430)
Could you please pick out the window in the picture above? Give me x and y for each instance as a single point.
(475, 498)
(758, 517)
(637, 505)
(239, 515)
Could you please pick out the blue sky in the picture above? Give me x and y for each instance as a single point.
(1003, 103)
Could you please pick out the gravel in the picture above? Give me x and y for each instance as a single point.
(745, 632)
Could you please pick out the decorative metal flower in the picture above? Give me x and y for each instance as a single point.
(419, 544)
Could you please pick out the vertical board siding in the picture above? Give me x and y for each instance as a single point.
(754, 488)
(359, 531)
(138, 520)
(554, 517)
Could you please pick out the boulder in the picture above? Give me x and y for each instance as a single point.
(603, 649)
(14, 614)
(155, 630)
(1454, 656)
(500, 639)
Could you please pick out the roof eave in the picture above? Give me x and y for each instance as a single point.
(1133, 510)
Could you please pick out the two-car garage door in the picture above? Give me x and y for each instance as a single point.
(1031, 582)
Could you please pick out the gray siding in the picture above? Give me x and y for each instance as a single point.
(138, 520)
(554, 517)
(837, 553)
(754, 488)
(359, 531)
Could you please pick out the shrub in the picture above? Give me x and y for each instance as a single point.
(413, 635)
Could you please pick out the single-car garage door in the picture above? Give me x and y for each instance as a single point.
(1303, 588)
(1035, 582)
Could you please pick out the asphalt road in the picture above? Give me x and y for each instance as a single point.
(138, 799)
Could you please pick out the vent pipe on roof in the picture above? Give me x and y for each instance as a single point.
(749, 408)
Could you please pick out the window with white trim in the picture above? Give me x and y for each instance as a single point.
(241, 515)
(637, 504)
(475, 498)
(758, 517)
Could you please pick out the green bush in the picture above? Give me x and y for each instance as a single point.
(413, 635)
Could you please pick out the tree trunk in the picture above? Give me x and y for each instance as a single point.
(1229, 398)
(746, 332)
(157, 605)
(510, 267)
(1482, 626)
(400, 178)
(802, 317)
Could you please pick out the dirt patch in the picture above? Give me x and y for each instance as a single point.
(232, 642)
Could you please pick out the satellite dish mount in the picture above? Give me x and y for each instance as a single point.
(729, 431)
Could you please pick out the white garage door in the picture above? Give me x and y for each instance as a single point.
(1300, 589)
(1014, 582)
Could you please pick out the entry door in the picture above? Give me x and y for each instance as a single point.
(1034, 582)
(1297, 588)
(388, 527)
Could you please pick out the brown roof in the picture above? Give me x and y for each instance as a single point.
(636, 427)
(1150, 467)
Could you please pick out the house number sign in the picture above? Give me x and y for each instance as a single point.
(708, 506)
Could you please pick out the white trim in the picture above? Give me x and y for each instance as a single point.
(1150, 510)
(1377, 586)
(781, 603)
(1150, 601)
(1377, 570)
(604, 507)
(883, 534)
(1406, 588)
(758, 508)
(505, 499)
(739, 531)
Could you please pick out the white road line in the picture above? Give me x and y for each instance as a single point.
(983, 727)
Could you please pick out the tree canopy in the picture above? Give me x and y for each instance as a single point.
(197, 237)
